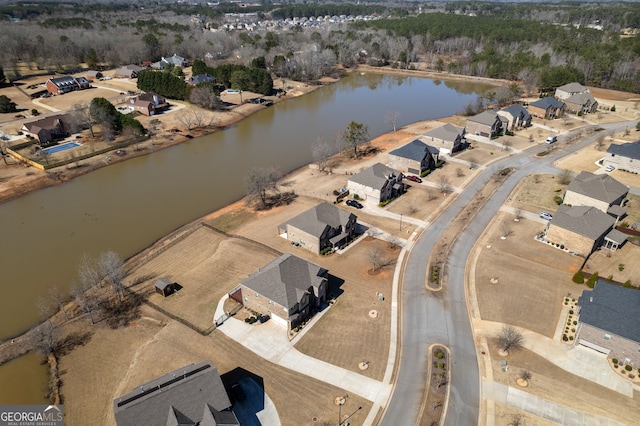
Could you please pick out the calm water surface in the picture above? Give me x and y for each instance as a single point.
(127, 206)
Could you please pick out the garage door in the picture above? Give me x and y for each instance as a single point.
(594, 346)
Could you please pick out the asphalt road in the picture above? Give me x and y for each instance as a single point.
(442, 317)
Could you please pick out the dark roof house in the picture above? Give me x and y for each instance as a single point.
(517, 116)
(447, 138)
(600, 191)
(191, 395)
(581, 229)
(378, 182)
(487, 124)
(414, 157)
(547, 107)
(201, 78)
(624, 156)
(46, 129)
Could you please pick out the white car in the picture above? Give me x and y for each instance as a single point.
(609, 168)
(546, 215)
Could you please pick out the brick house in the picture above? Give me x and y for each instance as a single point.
(47, 129)
(624, 156)
(320, 227)
(581, 229)
(414, 157)
(147, 103)
(447, 138)
(66, 84)
(583, 103)
(547, 108)
(608, 322)
(487, 124)
(289, 289)
(516, 116)
(378, 183)
(191, 395)
(600, 191)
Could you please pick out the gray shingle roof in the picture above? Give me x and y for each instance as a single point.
(581, 99)
(315, 220)
(583, 220)
(572, 88)
(174, 398)
(517, 109)
(414, 150)
(485, 117)
(163, 283)
(629, 150)
(286, 279)
(375, 176)
(616, 236)
(447, 132)
(600, 187)
(612, 308)
(547, 102)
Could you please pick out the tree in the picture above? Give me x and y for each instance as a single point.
(81, 118)
(83, 301)
(377, 260)
(392, 117)
(564, 177)
(6, 105)
(355, 135)
(2, 76)
(321, 152)
(600, 142)
(259, 181)
(111, 267)
(103, 112)
(92, 58)
(57, 297)
(152, 45)
(506, 229)
(509, 339)
(444, 184)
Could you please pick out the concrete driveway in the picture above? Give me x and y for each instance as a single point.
(257, 409)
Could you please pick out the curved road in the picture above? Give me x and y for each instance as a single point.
(442, 317)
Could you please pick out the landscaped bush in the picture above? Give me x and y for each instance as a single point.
(627, 284)
(441, 365)
(570, 337)
(564, 337)
(557, 199)
(426, 172)
(571, 311)
(615, 360)
(435, 273)
(610, 278)
(591, 282)
(628, 367)
(438, 354)
(575, 323)
(356, 197)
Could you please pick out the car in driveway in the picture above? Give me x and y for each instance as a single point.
(354, 203)
(609, 168)
(415, 179)
(546, 215)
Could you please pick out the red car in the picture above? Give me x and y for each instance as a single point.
(413, 179)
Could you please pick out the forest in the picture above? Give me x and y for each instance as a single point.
(541, 44)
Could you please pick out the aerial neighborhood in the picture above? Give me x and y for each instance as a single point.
(479, 267)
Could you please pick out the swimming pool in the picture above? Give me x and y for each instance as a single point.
(63, 147)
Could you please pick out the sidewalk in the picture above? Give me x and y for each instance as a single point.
(542, 407)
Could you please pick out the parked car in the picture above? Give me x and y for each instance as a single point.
(546, 215)
(413, 179)
(552, 139)
(238, 392)
(609, 168)
(354, 203)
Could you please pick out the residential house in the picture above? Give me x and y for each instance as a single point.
(175, 60)
(569, 90)
(47, 129)
(191, 395)
(201, 78)
(414, 157)
(289, 289)
(128, 71)
(547, 108)
(624, 156)
(583, 103)
(66, 84)
(516, 116)
(321, 227)
(378, 182)
(447, 138)
(93, 75)
(581, 229)
(608, 322)
(600, 191)
(148, 103)
(487, 124)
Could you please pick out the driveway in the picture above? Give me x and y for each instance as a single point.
(257, 408)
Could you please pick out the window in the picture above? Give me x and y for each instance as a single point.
(607, 337)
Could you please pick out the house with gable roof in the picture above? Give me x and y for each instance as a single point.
(201, 78)
(547, 108)
(320, 227)
(608, 323)
(516, 116)
(47, 129)
(378, 183)
(583, 103)
(191, 395)
(66, 84)
(447, 138)
(414, 157)
(624, 156)
(581, 229)
(568, 90)
(600, 191)
(128, 71)
(175, 60)
(487, 124)
(289, 289)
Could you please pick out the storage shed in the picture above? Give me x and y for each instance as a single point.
(165, 286)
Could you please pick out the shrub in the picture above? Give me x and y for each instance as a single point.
(610, 278)
(440, 365)
(557, 199)
(613, 108)
(573, 330)
(571, 312)
(438, 354)
(426, 172)
(575, 323)
(615, 360)
(356, 197)
(628, 367)
(564, 337)
(591, 282)
(621, 267)
(627, 284)
(570, 337)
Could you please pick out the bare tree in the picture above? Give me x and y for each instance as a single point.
(518, 213)
(259, 181)
(205, 97)
(83, 301)
(321, 152)
(111, 268)
(506, 229)
(80, 119)
(525, 375)
(392, 117)
(509, 339)
(600, 143)
(377, 260)
(45, 309)
(459, 172)
(355, 135)
(44, 338)
(506, 145)
(57, 297)
(564, 177)
(444, 184)
(430, 195)
(473, 162)
(516, 420)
